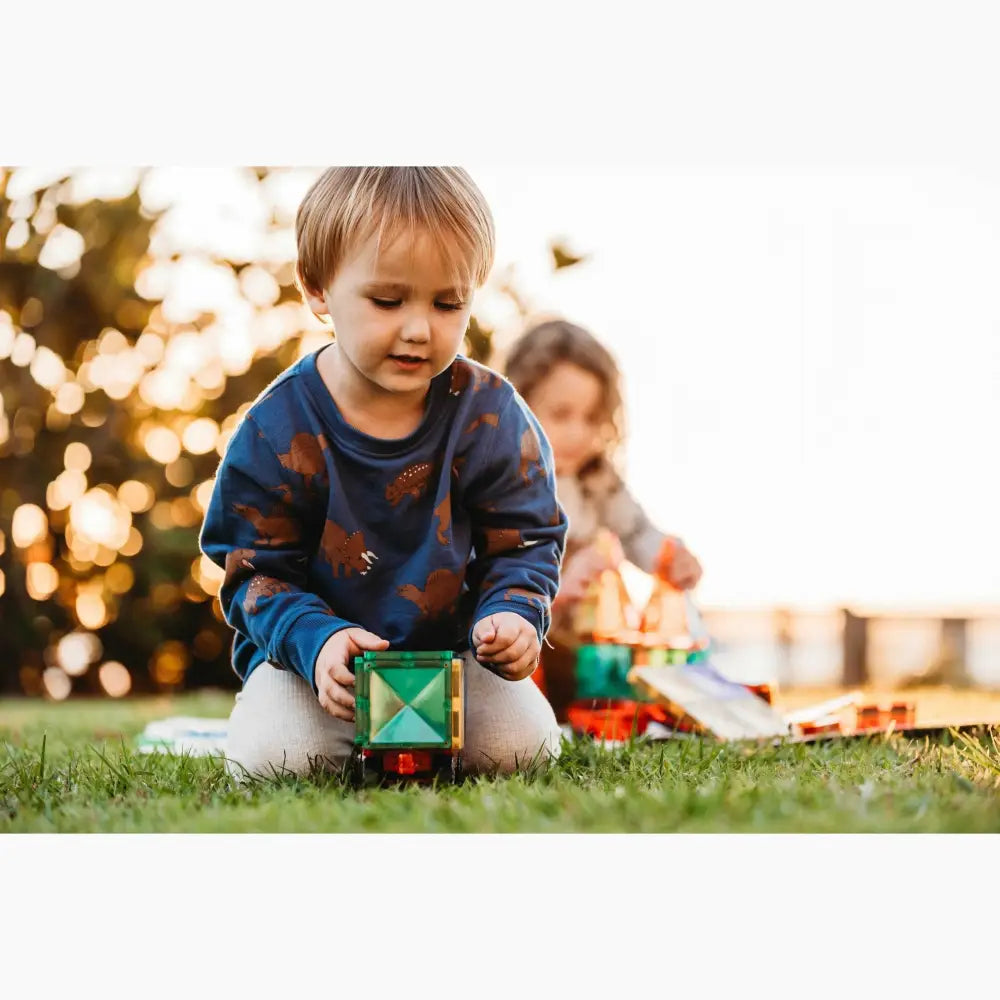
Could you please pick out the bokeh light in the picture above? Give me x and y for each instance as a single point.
(115, 679)
(100, 518)
(56, 683)
(77, 457)
(200, 436)
(30, 524)
(41, 580)
(76, 651)
(91, 610)
(162, 444)
(169, 663)
(119, 578)
(137, 497)
(133, 545)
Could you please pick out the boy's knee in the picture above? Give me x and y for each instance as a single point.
(524, 749)
(280, 762)
(277, 729)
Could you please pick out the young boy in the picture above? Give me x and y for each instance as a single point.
(384, 492)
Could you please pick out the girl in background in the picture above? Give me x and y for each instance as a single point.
(573, 385)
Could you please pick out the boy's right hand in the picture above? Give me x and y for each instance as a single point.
(332, 673)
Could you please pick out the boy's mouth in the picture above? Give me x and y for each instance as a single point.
(409, 361)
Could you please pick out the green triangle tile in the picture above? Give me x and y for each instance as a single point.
(410, 681)
(384, 703)
(433, 702)
(407, 728)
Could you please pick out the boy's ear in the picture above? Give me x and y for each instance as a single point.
(314, 299)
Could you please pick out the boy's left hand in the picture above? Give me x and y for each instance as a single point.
(506, 643)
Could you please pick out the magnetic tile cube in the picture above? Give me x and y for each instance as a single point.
(408, 700)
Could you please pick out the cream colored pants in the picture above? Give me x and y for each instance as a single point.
(277, 725)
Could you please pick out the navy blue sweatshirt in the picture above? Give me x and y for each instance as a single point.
(320, 527)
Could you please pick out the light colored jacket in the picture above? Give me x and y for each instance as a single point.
(601, 500)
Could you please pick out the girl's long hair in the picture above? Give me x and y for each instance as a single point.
(540, 348)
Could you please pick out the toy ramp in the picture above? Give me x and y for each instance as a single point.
(718, 706)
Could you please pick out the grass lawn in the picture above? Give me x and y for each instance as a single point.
(69, 767)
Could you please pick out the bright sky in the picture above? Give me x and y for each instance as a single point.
(812, 367)
(812, 362)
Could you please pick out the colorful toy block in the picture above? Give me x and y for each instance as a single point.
(409, 715)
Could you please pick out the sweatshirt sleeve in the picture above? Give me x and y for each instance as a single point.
(518, 525)
(256, 528)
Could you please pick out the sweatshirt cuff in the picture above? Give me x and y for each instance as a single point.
(304, 638)
(527, 611)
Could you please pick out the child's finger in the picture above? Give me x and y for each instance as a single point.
(341, 674)
(489, 648)
(485, 631)
(521, 668)
(341, 696)
(333, 707)
(514, 651)
(364, 639)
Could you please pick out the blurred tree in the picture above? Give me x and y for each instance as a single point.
(113, 415)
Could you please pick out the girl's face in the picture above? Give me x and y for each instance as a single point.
(569, 404)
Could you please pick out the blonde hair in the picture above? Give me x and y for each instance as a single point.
(347, 205)
(541, 347)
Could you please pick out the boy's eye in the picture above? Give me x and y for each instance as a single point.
(386, 303)
(450, 306)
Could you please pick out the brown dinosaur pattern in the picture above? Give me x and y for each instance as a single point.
(344, 551)
(439, 594)
(461, 378)
(443, 513)
(261, 588)
(305, 456)
(483, 378)
(531, 454)
(530, 594)
(412, 480)
(272, 529)
(504, 539)
(490, 419)
(237, 562)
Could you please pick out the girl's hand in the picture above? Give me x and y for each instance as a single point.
(678, 565)
(506, 643)
(579, 572)
(334, 680)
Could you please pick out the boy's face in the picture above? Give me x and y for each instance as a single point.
(399, 319)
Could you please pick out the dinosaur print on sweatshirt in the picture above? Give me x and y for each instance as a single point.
(484, 378)
(503, 540)
(273, 530)
(439, 595)
(531, 455)
(484, 420)
(344, 551)
(443, 514)
(237, 563)
(512, 592)
(305, 456)
(461, 378)
(261, 589)
(317, 526)
(412, 481)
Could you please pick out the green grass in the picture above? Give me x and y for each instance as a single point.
(70, 767)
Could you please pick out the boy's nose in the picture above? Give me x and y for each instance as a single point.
(416, 330)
